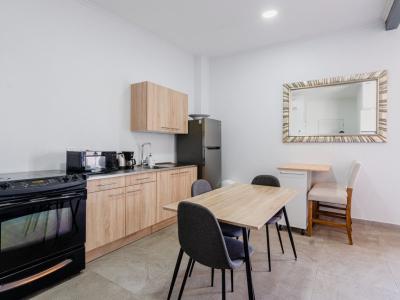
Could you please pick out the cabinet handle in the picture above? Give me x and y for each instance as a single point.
(106, 184)
(185, 172)
(132, 192)
(143, 178)
(173, 128)
(292, 173)
(175, 174)
(116, 195)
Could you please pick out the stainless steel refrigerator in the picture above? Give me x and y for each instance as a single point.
(202, 147)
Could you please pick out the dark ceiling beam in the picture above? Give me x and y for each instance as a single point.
(393, 19)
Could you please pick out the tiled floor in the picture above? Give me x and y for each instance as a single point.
(327, 268)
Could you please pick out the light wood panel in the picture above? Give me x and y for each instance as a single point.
(158, 113)
(244, 205)
(105, 184)
(100, 251)
(140, 178)
(139, 106)
(167, 192)
(306, 167)
(158, 108)
(173, 186)
(105, 217)
(141, 206)
(178, 112)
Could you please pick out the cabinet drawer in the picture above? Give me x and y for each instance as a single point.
(141, 178)
(105, 184)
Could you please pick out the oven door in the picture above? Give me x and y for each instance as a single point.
(34, 229)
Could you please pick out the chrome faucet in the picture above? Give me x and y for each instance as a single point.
(143, 161)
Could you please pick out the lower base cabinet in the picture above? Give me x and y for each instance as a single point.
(173, 186)
(105, 217)
(118, 216)
(141, 206)
(297, 208)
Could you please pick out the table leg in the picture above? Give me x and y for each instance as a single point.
(247, 261)
(290, 232)
(178, 264)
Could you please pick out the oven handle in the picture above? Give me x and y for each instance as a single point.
(39, 200)
(24, 281)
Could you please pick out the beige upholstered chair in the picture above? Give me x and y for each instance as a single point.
(336, 199)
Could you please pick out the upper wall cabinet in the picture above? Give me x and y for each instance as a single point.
(158, 109)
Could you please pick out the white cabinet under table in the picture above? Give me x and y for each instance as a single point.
(298, 176)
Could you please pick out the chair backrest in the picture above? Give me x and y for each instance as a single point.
(200, 236)
(268, 180)
(353, 174)
(200, 186)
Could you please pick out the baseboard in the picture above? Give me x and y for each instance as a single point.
(388, 225)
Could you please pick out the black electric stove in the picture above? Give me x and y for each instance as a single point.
(42, 230)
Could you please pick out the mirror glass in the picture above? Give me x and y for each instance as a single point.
(342, 109)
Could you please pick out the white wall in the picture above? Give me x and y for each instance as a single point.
(65, 74)
(202, 84)
(246, 94)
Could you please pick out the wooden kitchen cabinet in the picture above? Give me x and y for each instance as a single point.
(125, 208)
(173, 186)
(159, 109)
(141, 206)
(105, 217)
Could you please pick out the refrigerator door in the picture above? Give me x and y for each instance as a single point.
(211, 170)
(212, 133)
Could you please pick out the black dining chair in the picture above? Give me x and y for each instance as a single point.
(201, 238)
(202, 186)
(269, 180)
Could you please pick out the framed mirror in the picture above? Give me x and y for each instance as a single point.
(348, 109)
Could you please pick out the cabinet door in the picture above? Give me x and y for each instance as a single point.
(158, 108)
(168, 190)
(105, 217)
(178, 118)
(187, 177)
(297, 207)
(141, 206)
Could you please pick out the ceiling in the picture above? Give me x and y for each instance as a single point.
(219, 27)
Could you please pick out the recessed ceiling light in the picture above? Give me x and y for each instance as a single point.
(269, 14)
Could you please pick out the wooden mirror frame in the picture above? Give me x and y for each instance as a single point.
(380, 77)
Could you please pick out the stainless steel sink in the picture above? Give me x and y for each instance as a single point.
(155, 167)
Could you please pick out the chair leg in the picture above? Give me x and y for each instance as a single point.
(178, 264)
(191, 268)
(310, 217)
(212, 276)
(279, 236)
(185, 278)
(268, 250)
(289, 232)
(349, 222)
(223, 284)
(232, 280)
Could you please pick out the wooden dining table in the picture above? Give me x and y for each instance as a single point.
(248, 206)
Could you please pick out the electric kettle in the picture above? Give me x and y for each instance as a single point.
(121, 160)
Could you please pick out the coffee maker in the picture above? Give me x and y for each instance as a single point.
(130, 159)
